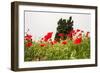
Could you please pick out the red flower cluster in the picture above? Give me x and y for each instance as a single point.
(75, 35)
(48, 36)
(78, 41)
(28, 37)
(73, 32)
(64, 42)
(42, 45)
(69, 35)
(29, 44)
(61, 34)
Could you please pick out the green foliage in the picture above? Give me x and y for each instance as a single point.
(64, 27)
(58, 51)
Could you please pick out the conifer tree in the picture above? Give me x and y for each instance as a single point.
(64, 28)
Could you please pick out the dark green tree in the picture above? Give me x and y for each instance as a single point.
(64, 28)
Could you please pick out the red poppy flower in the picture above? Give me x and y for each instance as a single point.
(29, 44)
(53, 42)
(77, 30)
(28, 37)
(48, 36)
(77, 41)
(64, 42)
(42, 45)
(72, 31)
(61, 34)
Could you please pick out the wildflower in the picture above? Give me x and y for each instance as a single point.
(64, 42)
(42, 45)
(69, 35)
(42, 38)
(29, 44)
(72, 31)
(53, 42)
(28, 37)
(77, 30)
(61, 34)
(78, 41)
(48, 36)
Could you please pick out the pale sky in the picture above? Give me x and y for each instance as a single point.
(40, 23)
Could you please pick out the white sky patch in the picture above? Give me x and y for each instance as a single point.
(40, 23)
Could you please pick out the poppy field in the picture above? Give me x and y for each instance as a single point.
(68, 43)
(76, 46)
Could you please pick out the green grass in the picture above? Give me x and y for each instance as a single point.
(58, 51)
